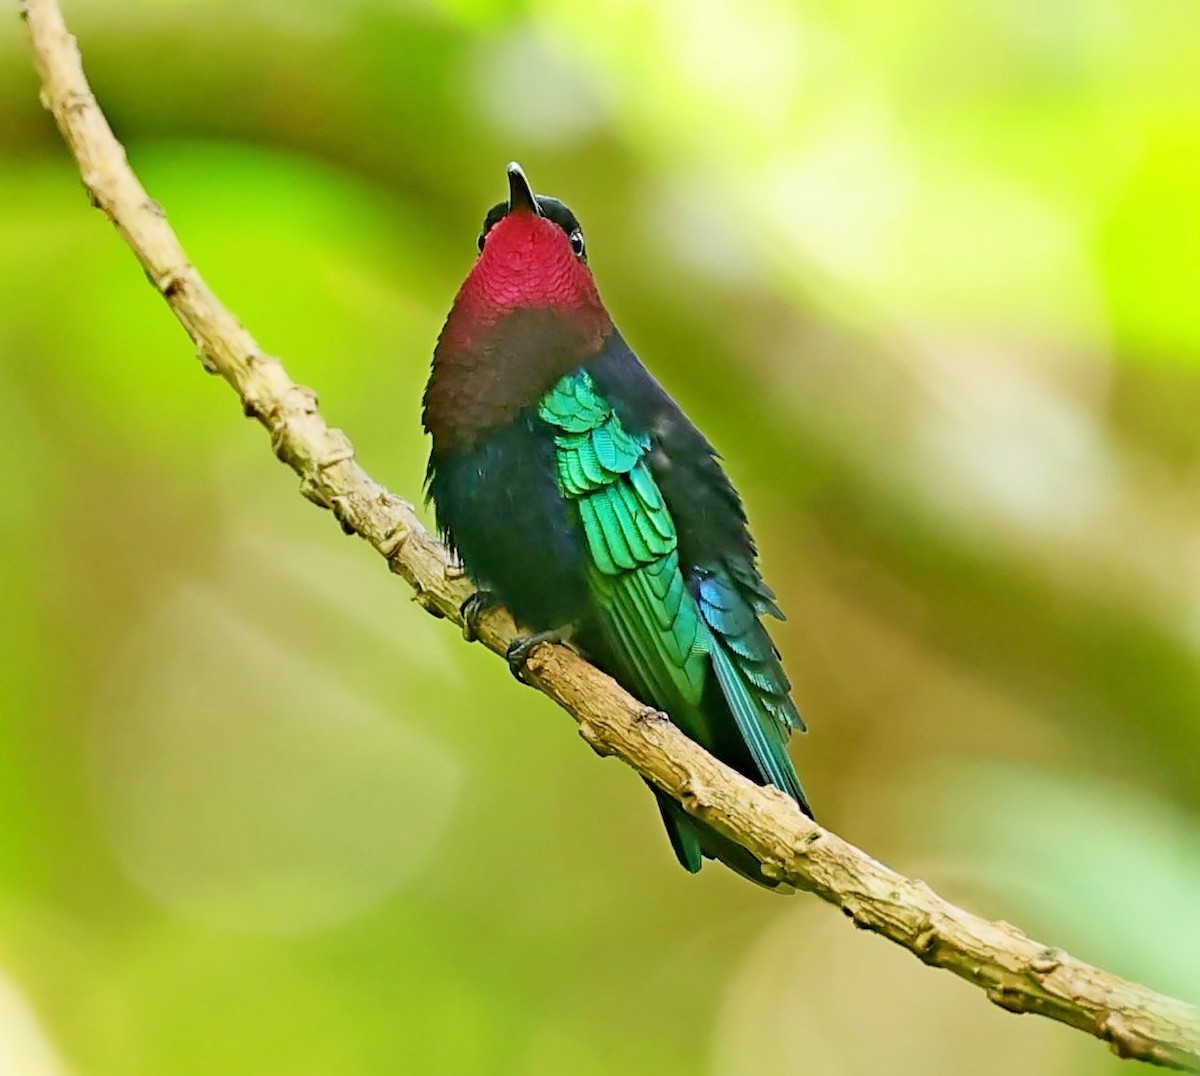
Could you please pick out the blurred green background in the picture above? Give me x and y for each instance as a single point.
(928, 274)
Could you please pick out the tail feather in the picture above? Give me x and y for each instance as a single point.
(693, 841)
(684, 840)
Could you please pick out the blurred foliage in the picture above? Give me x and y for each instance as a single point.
(927, 274)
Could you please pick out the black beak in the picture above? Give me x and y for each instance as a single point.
(520, 193)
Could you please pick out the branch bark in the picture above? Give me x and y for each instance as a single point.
(1016, 972)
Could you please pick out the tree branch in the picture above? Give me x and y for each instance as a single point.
(1017, 973)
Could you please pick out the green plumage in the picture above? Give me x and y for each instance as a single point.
(634, 570)
(675, 644)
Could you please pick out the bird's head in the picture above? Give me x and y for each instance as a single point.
(527, 313)
(531, 251)
(532, 257)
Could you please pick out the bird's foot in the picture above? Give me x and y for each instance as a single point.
(474, 609)
(519, 650)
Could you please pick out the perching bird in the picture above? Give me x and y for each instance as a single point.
(575, 492)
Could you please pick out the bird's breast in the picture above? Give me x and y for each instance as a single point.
(489, 366)
(499, 506)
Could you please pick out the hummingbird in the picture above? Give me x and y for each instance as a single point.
(575, 491)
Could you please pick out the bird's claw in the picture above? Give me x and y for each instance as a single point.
(473, 610)
(519, 649)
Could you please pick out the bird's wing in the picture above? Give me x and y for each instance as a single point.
(751, 677)
(714, 541)
(669, 637)
(652, 623)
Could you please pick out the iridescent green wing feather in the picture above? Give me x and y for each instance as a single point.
(669, 642)
(653, 624)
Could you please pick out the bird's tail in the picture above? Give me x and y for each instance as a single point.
(693, 841)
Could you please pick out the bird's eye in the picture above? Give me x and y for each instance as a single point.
(482, 237)
(577, 243)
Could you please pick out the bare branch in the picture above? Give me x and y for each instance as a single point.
(1017, 973)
